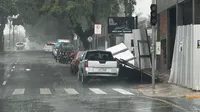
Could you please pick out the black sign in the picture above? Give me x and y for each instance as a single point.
(120, 24)
(198, 44)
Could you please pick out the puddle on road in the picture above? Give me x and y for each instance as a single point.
(25, 106)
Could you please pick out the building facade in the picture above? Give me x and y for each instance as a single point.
(172, 13)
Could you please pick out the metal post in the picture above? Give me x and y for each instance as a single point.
(13, 36)
(154, 52)
(193, 11)
(90, 45)
(9, 32)
(177, 14)
(97, 41)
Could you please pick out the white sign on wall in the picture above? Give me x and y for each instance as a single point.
(158, 48)
(90, 39)
(97, 29)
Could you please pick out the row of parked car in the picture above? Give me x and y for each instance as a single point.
(87, 64)
(62, 51)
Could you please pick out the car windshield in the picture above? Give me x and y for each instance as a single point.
(20, 43)
(99, 55)
(67, 46)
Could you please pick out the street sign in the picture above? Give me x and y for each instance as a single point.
(75, 37)
(90, 39)
(158, 48)
(97, 29)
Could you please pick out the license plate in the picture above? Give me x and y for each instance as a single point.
(103, 70)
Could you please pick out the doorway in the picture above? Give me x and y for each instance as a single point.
(172, 35)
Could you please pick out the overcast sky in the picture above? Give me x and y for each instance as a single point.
(143, 6)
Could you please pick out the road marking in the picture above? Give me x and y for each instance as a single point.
(167, 102)
(122, 91)
(4, 83)
(13, 67)
(18, 92)
(71, 91)
(97, 91)
(45, 91)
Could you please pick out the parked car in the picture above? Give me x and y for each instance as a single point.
(97, 64)
(20, 45)
(65, 52)
(49, 47)
(55, 49)
(75, 62)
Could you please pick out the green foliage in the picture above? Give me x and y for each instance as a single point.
(7, 7)
(77, 15)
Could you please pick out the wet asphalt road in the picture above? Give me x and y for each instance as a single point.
(34, 82)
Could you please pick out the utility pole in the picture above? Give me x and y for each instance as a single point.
(13, 36)
(154, 48)
(9, 32)
(177, 13)
(193, 11)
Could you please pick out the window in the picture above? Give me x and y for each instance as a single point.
(99, 55)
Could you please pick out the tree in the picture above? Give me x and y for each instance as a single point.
(7, 8)
(77, 16)
(129, 7)
(82, 14)
(38, 26)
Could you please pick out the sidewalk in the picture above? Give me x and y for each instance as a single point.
(165, 89)
(168, 90)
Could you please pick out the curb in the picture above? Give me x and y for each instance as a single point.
(181, 96)
(192, 96)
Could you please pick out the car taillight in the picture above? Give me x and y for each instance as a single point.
(86, 64)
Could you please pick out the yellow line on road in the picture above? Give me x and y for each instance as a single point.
(192, 96)
(167, 102)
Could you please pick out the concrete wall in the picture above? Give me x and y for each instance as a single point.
(165, 4)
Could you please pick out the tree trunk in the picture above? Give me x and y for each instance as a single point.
(84, 35)
(86, 44)
(2, 26)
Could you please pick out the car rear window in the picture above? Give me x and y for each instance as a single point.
(99, 55)
(20, 43)
(50, 44)
(67, 46)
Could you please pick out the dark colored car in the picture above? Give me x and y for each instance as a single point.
(65, 52)
(75, 61)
